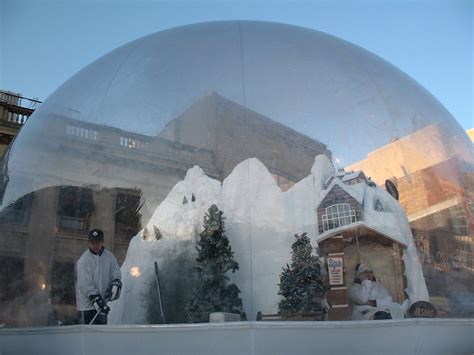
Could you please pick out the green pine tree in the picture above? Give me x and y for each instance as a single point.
(215, 259)
(301, 283)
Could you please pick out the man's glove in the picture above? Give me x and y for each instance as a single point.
(99, 304)
(113, 291)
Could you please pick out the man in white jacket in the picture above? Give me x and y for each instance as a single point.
(371, 299)
(98, 280)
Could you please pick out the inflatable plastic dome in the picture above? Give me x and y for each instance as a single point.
(267, 136)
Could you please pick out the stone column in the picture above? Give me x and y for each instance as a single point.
(39, 257)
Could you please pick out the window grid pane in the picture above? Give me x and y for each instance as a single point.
(338, 215)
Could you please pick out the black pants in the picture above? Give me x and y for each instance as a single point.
(85, 317)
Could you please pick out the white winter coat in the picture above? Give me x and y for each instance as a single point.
(372, 290)
(94, 274)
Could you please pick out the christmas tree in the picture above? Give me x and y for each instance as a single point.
(301, 283)
(215, 258)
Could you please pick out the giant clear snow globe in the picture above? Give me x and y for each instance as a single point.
(245, 169)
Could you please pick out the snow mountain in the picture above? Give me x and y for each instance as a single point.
(260, 219)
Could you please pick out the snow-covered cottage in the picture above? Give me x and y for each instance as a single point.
(360, 222)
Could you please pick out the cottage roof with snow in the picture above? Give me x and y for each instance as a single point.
(351, 202)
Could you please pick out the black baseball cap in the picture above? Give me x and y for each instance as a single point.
(96, 235)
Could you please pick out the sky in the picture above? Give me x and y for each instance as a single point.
(44, 42)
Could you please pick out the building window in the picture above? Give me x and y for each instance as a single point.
(466, 258)
(127, 215)
(62, 283)
(459, 225)
(133, 143)
(337, 216)
(81, 132)
(75, 207)
(18, 212)
(11, 278)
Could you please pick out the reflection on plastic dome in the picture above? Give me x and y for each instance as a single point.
(285, 131)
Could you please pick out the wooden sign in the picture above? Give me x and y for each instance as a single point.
(335, 271)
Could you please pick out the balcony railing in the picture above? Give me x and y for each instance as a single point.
(16, 109)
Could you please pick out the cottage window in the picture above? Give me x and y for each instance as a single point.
(378, 206)
(338, 215)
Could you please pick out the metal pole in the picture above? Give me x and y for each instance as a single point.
(93, 319)
(98, 312)
(159, 293)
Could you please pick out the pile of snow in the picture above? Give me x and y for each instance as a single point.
(261, 222)
(182, 210)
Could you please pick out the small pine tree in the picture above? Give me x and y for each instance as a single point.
(301, 283)
(215, 258)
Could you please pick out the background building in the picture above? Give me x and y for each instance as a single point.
(435, 181)
(14, 112)
(470, 133)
